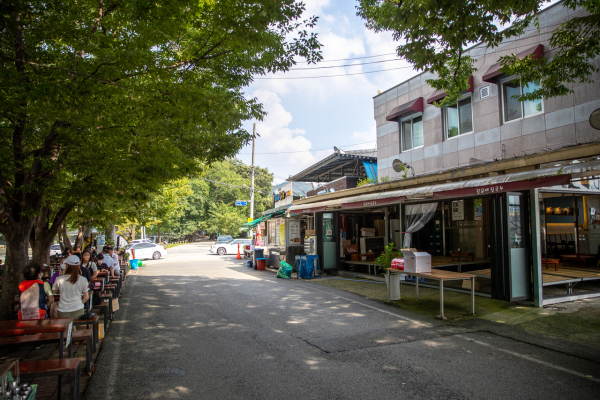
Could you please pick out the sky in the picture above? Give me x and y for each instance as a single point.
(307, 117)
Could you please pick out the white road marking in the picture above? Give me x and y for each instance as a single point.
(528, 358)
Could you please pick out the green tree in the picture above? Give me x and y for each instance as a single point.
(94, 88)
(436, 33)
(224, 218)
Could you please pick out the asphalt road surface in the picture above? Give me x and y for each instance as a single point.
(200, 326)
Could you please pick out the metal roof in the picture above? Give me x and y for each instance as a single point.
(339, 164)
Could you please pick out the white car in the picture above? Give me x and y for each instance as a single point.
(145, 251)
(230, 247)
(55, 250)
(140, 241)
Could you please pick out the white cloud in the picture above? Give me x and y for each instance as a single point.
(367, 139)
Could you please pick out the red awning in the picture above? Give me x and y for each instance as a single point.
(440, 94)
(496, 70)
(367, 203)
(411, 107)
(513, 186)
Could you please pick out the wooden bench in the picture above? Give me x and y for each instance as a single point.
(67, 366)
(44, 338)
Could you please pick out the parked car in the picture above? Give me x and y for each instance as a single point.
(230, 247)
(223, 239)
(55, 250)
(145, 250)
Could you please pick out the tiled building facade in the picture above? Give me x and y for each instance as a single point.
(485, 128)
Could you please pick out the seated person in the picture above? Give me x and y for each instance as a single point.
(116, 269)
(35, 295)
(100, 262)
(108, 260)
(73, 290)
(88, 266)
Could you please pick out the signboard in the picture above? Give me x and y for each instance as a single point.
(505, 187)
(308, 210)
(241, 203)
(250, 219)
(101, 240)
(281, 232)
(372, 203)
(458, 210)
(478, 207)
(294, 232)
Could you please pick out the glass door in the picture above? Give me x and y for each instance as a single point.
(518, 246)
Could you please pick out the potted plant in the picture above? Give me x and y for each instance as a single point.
(384, 261)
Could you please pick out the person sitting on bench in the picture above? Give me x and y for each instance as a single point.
(116, 269)
(36, 295)
(73, 290)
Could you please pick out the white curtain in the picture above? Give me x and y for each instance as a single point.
(417, 216)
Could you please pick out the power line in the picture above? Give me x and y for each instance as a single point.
(332, 76)
(345, 65)
(355, 58)
(230, 185)
(308, 151)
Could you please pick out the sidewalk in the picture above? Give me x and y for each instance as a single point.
(577, 321)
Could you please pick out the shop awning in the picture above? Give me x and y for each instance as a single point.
(252, 224)
(413, 106)
(440, 94)
(496, 70)
(537, 178)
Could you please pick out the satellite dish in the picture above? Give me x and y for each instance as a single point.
(595, 119)
(398, 165)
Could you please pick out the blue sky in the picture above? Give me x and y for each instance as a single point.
(305, 115)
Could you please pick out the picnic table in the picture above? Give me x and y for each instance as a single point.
(46, 325)
(369, 264)
(441, 276)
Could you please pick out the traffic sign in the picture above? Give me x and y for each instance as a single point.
(241, 202)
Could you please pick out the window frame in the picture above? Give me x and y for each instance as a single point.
(445, 119)
(401, 131)
(503, 105)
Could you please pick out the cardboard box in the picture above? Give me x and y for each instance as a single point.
(419, 262)
(466, 284)
(309, 232)
(368, 232)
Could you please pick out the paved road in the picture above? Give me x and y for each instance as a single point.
(198, 326)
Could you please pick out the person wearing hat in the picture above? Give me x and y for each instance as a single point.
(73, 290)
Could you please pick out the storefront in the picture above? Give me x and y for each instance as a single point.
(485, 226)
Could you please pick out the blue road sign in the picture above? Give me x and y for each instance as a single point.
(241, 203)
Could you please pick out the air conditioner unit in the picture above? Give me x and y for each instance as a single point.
(484, 92)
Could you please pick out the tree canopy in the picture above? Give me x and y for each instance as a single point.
(110, 96)
(435, 34)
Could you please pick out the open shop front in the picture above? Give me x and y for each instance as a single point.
(480, 226)
(569, 237)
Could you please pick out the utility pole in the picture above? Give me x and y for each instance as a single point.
(252, 176)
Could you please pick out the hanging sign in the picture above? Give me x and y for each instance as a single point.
(477, 203)
(241, 202)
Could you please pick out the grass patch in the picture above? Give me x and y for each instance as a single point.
(457, 306)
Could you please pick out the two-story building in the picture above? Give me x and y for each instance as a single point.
(504, 189)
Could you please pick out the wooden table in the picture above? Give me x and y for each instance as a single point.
(441, 276)
(577, 257)
(46, 325)
(466, 255)
(547, 261)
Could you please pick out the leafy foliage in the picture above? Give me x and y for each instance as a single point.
(435, 34)
(384, 261)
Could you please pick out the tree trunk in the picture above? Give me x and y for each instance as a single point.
(158, 228)
(79, 240)
(109, 234)
(65, 237)
(17, 257)
(132, 233)
(44, 231)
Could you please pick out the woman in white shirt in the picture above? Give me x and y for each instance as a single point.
(73, 290)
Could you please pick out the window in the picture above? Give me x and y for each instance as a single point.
(514, 109)
(412, 132)
(458, 119)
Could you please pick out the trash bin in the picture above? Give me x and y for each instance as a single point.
(393, 284)
(261, 263)
(259, 253)
(134, 264)
(273, 261)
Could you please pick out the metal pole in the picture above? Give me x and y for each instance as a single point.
(252, 176)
